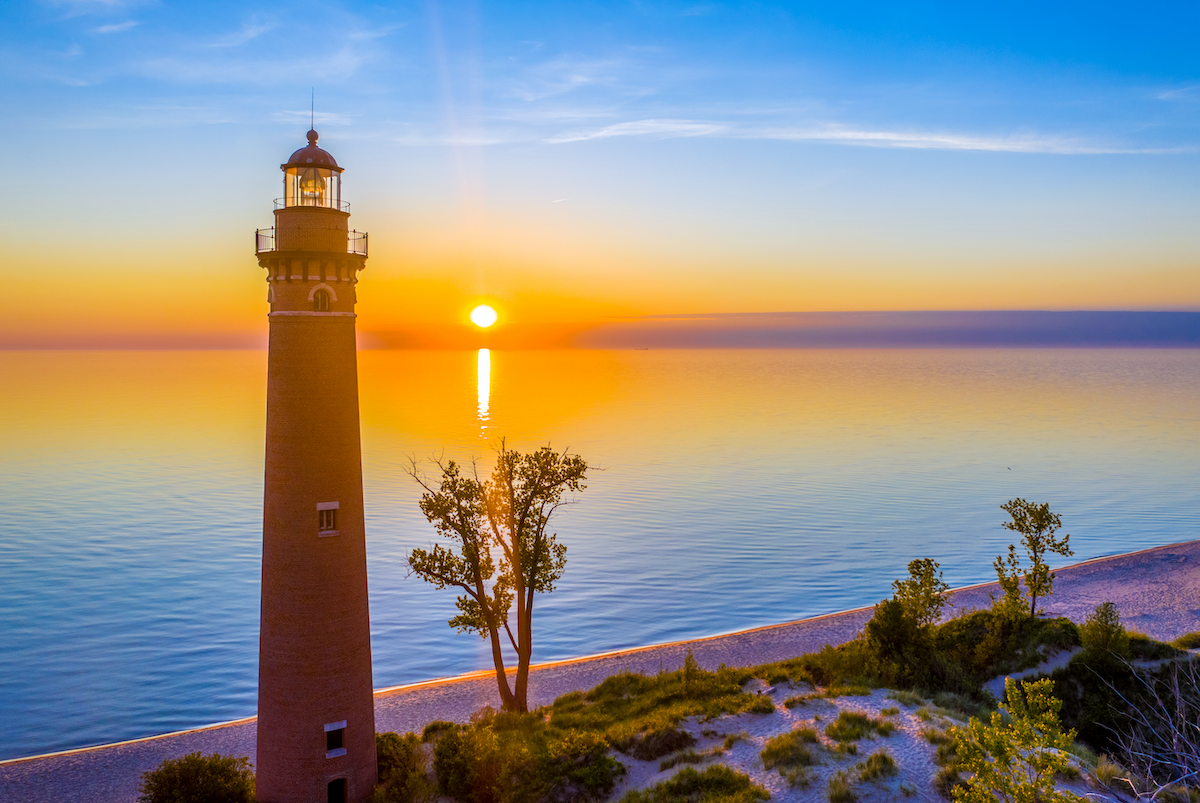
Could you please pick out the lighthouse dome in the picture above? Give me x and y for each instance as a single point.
(311, 177)
(311, 155)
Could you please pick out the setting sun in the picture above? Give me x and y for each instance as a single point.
(483, 316)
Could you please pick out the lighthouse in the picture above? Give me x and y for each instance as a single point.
(316, 715)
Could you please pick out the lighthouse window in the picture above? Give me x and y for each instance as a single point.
(326, 520)
(321, 301)
(335, 739)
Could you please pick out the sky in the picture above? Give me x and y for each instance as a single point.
(581, 163)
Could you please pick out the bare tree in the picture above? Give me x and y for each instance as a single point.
(503, 552)
(1162, 742)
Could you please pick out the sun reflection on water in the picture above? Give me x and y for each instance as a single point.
(485, 388)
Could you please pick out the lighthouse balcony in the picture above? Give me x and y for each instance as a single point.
(265, 242)
(321, 201)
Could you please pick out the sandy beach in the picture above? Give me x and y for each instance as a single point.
(1157, 592)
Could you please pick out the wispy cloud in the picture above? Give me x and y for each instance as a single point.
(935, 140)
(644, 128)
(566, 74)
(848, 135)
(260, 71)
(249, 31)
(77, 7)
(116, 27)
(319, 118)
(1183, 93)
(375, 33)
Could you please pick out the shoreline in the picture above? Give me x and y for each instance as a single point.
(1156, 589)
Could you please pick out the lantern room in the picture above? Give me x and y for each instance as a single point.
(311, 177)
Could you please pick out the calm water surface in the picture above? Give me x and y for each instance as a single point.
(738, 489)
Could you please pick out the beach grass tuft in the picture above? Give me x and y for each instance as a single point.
(877, 766)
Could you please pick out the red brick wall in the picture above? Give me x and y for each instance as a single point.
(314, 649)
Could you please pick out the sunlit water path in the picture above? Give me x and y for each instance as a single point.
(738, 489)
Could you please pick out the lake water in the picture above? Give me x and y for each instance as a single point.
(739, 488)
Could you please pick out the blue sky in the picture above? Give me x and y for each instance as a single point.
(1073, 79)
(704, 156)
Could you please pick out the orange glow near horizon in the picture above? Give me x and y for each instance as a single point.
(212, 295)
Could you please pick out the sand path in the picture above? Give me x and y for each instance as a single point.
(1157, 592)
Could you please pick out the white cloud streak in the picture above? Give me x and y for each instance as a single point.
(118, 27)
(847, 135)
(249, 31)
(644, 128)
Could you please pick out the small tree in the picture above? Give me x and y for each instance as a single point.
(1015, 761)
(921, 594)
(1103, 632)
(1011, 604)
(508, 513)
(1037, 526)
(199, 779)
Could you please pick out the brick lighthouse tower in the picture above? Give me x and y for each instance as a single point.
(316, 715)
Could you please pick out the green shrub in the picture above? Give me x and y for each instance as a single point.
(840, 788)
(717, 784)
(1087, 757)
(657, 743)
(402, 766)
(922, 595)
(196, 778)
(1097, 690)
(852, 690)
(911, 699)
(793, 702)
(959, 706)
(762, 705)
(1019, 753)
(517, 758)
(1103, 632)
(847, 664)
(947, 780)
(1144, 648)
(788, 751)
(889, 712)
(684, 757)
(435, 729)
(1189, 641)
(1108, 771)
(935, 737)
(850, 726)
(734, 738)
(626, 704)
(899, 646)
(947, 753)
(878, 765)
(801, 777)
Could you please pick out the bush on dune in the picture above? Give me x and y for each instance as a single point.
(403, 769)
(627, 704)
(518, 758)
(197, 778)
(717, 784)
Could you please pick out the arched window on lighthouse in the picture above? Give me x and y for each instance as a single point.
(321, 301)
